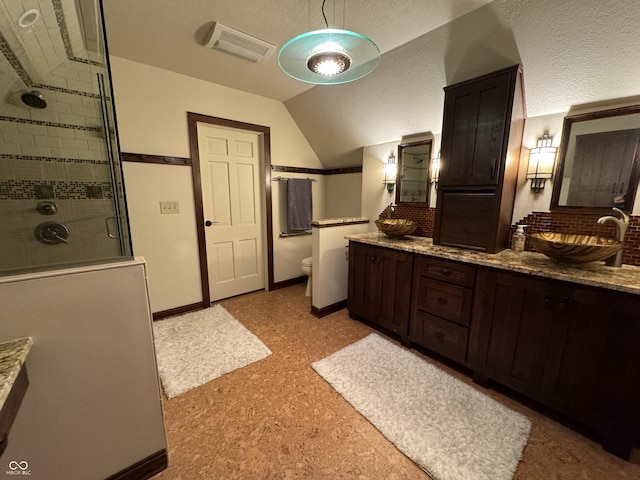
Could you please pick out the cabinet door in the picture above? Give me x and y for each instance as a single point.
(511, 330)
(394, 272)
(473, 138)
(380, 286)
(593, 371)
(364, 281)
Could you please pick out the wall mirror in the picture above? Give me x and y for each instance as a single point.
(600, 160)
(414, 160)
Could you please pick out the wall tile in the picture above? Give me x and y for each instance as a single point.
(44, 141)
(74, 143)
(36, 151)
(45, 115)
(10, 149)
(71, 119)
(18, 138)
(27, 170)
(60, 107)
(423, 216)
(31, 129)
(53, 131)
(6, 173)
(80, 172)
(583, 224)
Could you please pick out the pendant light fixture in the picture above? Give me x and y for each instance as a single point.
(329, 56)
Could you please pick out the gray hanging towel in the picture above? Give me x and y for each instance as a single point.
(299, 206)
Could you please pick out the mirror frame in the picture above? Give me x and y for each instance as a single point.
(401, 148)
(634, 176)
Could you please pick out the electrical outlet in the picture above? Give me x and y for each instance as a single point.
(169, 207)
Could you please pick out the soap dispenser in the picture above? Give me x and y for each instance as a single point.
(518, 238)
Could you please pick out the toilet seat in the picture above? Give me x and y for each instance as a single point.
(307, 262)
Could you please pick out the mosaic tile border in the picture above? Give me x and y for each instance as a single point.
(36, 158)
(64, 33)
(43, 190)
(86, 128)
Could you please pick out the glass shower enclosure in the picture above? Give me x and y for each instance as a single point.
(62, 199)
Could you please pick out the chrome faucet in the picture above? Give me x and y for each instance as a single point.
(390, 210)
(621, 230)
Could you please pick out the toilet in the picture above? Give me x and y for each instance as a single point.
(305, 266)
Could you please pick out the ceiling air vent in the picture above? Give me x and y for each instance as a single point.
(234, 42)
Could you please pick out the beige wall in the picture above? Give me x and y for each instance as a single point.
(343, 194)
(375, 197)
(152, 106)
(166, 241)
(287, 258)
(527, 201)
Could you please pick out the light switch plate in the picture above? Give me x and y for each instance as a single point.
(169, 207)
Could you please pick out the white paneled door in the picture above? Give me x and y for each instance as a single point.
(230, 172)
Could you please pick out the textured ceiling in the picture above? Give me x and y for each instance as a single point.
(169, 33)
(573, 52)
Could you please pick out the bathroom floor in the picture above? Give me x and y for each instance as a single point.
(278, 419)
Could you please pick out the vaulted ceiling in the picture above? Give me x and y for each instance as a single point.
(573, 52)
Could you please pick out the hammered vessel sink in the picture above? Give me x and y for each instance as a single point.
(396, 227)
(571, 248)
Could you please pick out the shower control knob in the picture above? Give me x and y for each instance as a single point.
(47, 208)
(51, 233)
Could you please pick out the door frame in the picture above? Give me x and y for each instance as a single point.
(265, 143)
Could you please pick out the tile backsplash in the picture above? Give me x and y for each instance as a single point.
(583, 224)
(557, 221)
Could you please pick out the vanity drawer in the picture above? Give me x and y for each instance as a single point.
(446, 271)
(441, 336)
(445, 300)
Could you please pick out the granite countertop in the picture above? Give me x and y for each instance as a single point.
(12, 356)
(332, 222)
(595, 274)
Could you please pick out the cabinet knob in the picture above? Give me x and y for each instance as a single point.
(548, 302)
(439, 335)
(564, 304)
(445, 272)
(442, 300)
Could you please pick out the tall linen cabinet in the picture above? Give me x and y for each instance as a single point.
(481, 141)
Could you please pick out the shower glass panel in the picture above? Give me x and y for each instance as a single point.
(61, 191)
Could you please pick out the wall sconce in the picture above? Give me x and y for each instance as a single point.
(390, 170)
(435, 170)
(542, 159)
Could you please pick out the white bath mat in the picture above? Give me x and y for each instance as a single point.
(197, 347)
(448, 428)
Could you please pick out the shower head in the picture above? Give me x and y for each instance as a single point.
(33, 99)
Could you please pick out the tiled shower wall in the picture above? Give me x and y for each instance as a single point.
(57, 153)
(561, 222)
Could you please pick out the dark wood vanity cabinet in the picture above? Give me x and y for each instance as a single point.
(441, 306)
(380, 286)
(572, 348)
(481, 140)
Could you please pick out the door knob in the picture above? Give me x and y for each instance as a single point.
(208, 223)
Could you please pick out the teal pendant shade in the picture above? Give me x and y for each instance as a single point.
(356, 54)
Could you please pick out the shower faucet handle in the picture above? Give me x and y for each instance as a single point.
(51, 233)
(47, 208)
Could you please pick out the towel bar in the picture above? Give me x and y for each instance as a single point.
(294, 234)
